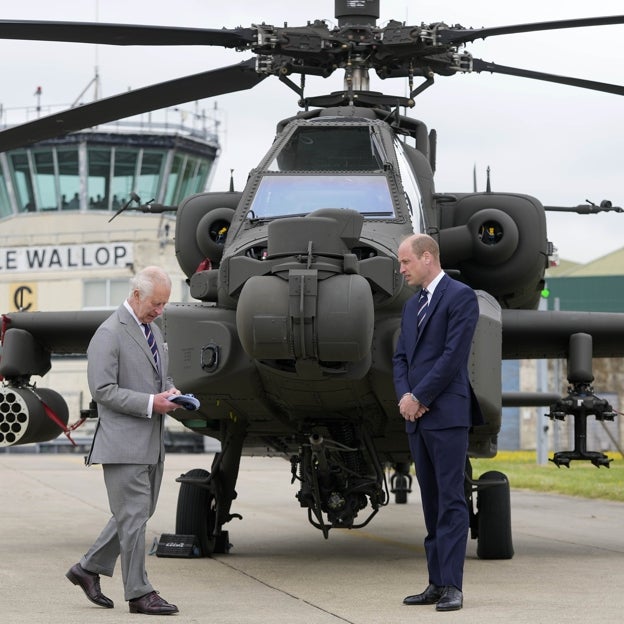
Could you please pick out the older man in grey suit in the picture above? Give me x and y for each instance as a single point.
(127, 373)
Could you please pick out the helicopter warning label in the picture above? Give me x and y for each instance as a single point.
(66, 257)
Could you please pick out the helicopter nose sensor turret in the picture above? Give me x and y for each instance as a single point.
(312, 310)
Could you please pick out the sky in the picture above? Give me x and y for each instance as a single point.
(560, 144)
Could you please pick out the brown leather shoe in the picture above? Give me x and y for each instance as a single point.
(90, 584)
(152, 604)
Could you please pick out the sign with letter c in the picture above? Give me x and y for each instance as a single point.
(23, 297)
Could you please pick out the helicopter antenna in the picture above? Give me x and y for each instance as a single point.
(589, 208)
(231, 180)
(133, 197)
(488, 186)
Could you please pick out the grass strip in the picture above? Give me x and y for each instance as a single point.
(581, 479)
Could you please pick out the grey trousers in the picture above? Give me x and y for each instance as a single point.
(132, 495)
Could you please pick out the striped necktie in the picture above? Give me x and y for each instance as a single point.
(423, 302)
(151, 341)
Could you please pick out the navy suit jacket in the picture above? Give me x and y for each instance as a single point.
(431, 362)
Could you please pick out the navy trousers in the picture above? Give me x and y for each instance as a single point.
(440, 459)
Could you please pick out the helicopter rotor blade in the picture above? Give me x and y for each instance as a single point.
(124, 34)
(196, 87)
(455, 36)
(479, 65)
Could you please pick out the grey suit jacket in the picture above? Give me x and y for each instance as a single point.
(122, 374)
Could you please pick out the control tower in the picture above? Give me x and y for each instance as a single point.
(163, 160)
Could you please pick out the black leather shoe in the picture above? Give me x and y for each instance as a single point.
(152, 604)
(452, 599)
(90, 584)
(430, 596)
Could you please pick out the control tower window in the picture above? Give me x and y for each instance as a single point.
(188, 175)
(69, 177)
(122, 181)
(5, 206)
(44, 178)
(22, 181)
(152, 165)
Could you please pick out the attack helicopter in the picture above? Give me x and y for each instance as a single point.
(296, 285)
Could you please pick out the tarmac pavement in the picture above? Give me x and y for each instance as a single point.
(568, 565)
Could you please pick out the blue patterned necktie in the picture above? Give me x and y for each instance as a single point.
(151, 341)
(423, 303)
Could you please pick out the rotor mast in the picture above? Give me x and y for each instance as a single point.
(357, 12)
(351, 13)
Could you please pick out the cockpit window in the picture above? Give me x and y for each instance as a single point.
(285, 195)
(334, 148)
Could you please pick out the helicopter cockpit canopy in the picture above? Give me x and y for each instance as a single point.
(327, 165)
(318, 146)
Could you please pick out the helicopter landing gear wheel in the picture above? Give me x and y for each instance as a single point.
(196, 515)
(494, 517)
(400, 489)
(401, 483)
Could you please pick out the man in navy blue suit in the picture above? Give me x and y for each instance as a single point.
(437, 402)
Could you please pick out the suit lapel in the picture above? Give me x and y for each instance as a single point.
(135, 332)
